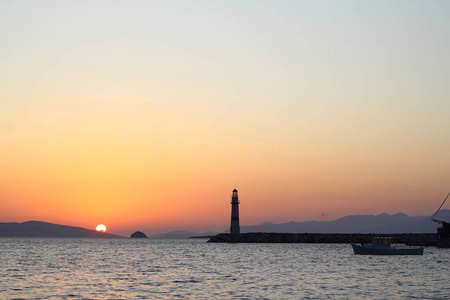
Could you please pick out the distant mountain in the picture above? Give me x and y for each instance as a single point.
(383, 223)
(180, 234)
(43, 229)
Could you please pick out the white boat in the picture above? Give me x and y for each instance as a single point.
(383, 246)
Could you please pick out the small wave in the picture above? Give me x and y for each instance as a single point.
(186, 281)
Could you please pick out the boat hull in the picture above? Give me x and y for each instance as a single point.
(369, 250)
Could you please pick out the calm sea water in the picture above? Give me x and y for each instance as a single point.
(180, 269)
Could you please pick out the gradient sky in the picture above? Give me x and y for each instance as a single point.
(145, 115)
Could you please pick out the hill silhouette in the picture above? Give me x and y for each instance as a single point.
(383, 223)
(44, 229)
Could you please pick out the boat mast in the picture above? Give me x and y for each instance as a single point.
(432, 218)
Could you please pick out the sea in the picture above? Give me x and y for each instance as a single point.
(89, 268)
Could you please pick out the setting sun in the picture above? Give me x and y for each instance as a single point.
(101, 228)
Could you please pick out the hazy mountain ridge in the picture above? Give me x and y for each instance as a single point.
(180, 234)
(383, 223)
(44, 229)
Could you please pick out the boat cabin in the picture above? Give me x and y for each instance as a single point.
(381, 242)
(444, 231)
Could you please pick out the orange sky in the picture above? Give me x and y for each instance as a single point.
(147, 116)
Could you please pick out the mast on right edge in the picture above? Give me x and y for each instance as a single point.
(443, 233)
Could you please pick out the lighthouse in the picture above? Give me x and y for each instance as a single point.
(234, 228)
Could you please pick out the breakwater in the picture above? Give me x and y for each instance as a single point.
(329, 238)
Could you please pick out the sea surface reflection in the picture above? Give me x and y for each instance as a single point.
(178, 269)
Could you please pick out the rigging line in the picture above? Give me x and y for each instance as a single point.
(432, 218)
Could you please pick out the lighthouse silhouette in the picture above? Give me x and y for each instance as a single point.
(234, 228)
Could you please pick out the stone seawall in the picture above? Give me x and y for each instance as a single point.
(333, 238)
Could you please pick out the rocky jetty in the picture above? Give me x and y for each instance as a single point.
(138, 234)
(330, 238)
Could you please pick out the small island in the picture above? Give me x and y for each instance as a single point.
(138, 234)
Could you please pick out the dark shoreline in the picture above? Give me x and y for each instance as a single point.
(428, 239)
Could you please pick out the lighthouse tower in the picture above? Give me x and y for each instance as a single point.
(234, 228)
